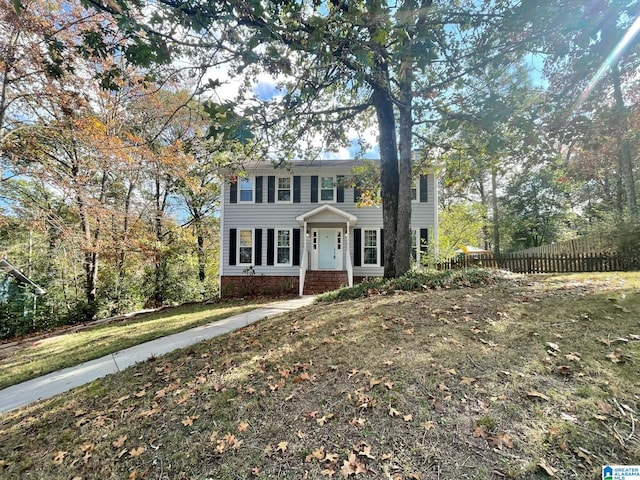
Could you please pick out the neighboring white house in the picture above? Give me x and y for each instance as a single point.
(299, 229)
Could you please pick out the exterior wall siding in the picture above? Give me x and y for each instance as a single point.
(264, 215)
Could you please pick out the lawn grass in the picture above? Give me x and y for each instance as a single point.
(31, 359)
(526, 378)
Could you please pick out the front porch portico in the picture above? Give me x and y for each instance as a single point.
(326, 241)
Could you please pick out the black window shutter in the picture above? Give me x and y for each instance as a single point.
(232, 246)
(357, 247)
(356, 194)
(340, 189)
(258, 189)
(258, 253)
(233, 192)
(296, 189)
(296, 246)
(270, 245)
(271, 189)
(423, 189)
(424, 240)
(314, 189)
(381, 247)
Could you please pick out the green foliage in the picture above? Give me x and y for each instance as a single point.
(416, 280)
(534, 209)
(460, 224)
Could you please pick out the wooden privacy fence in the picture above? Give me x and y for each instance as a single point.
(546, 263)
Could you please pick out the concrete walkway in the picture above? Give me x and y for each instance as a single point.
(61, 381)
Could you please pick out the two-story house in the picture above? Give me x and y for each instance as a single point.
(300, 229)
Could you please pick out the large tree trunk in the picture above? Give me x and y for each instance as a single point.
(388, 169)
(494, 212)
(403, 240)
(202, 258)
(625, 163)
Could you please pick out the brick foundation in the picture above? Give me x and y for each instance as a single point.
(257, 285)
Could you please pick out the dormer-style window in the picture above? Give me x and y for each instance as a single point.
(247, 186)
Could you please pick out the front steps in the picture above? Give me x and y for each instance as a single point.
(321, 281)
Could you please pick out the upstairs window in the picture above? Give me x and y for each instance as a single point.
(327, 189)
(284, 189)
(414, 190)
(247, 186)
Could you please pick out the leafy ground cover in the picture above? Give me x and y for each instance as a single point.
(525, 377)
(32, 358)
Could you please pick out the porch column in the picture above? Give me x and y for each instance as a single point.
(349, 263)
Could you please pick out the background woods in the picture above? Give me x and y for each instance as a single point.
(114, 125)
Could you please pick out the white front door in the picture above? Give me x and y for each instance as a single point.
(327, 249)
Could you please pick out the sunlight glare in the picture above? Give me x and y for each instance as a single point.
(613, 57)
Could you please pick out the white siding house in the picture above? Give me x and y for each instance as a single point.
(300, 230)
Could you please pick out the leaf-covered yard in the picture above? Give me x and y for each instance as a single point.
(522, 378)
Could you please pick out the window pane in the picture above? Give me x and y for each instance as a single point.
(370, 247)
(326, 194)
(245, 254)
(284, 182)
(246, 238)
(414, 193)
(246, 189)
(370, 237)
(284, 195)
(327, 182)
(283, 238)
(283, 255)
(370, 256)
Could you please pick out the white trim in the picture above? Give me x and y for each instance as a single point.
(253, 189)
(415, 183)
(290, 190)
(253, 247)
(276, 246)
(326, 207)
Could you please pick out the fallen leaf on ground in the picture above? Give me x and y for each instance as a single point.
(119, 443)
(614, 357)
(366, 452)
(317, 454)
(242, 426)
(282, 447)
(549, 470)
(187, 422)
(393, 412)
(467, 380)
(58, 458)
(428, 425)
(535, 394)
(136, 452)
(500, 439)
